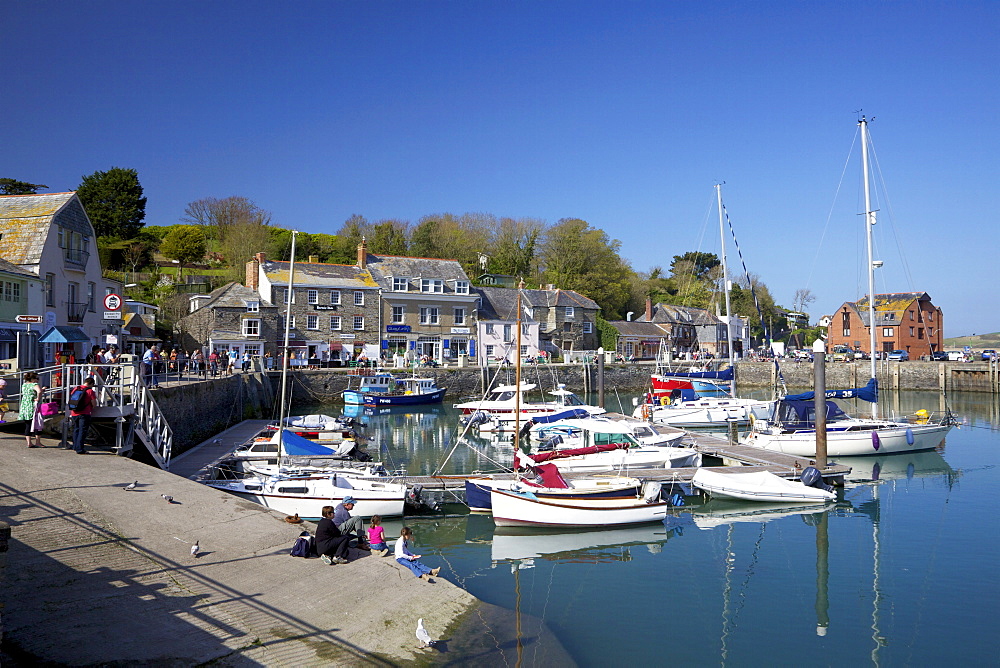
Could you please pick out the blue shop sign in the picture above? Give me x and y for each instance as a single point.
(397, 328)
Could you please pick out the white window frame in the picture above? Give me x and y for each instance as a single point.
(312, 296)
(490, 329)
(459, 316)
(430, 315)
(398, 315)
(432, 285)
(312, 321)
(335, 323)
(489, 349)
(252, 306)
(400, 284)
(570, 313)
(359, 323)
(335, 297)
(359, 297)
(461, 287)
(246, 327)
(508, 333)
(588, 328)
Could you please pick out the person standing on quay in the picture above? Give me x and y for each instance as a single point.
(31, 395)
(81, 415)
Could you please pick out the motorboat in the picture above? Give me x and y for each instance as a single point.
(703, 411)
(571, 433)
(387, 390)
(505, 406)
(514, 509)
(759, 486)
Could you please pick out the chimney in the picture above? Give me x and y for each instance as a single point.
(313, 259)
(362, 254)
(253, 272)
(649, 309)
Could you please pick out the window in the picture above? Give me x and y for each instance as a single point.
(911, 316)
(431, 285)
(335, 323)
(91, 289)
(252, 348)
(359, 298)
(400, 284)
(291, 322)
(359, 323)
(312, 322)
(524, 351)
(429, 315)
(335, 297)
(930, 316)
(50, 289)
(524, 329)
(567, 327)
(459, 316)
(312, 296)
(847, 331)
(489, 350)
(920, 332)
(506, 333)
(887, 331)
(489, 328)
(569, 312)
(911, 331)
(398, 314)
(284, 295)
(462, 287)
(253, 306)
(11, 292)
(251, 327)
(588, 327)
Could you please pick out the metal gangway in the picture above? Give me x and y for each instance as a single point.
(122, 396)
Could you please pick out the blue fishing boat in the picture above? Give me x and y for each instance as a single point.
(385, 390)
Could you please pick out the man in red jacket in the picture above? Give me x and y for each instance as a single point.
(81, 415)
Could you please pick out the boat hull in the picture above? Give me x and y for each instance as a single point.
(854, 442)
(477, 492)
(382, 400)
(516, 510)
(308, 499)
(759, 486)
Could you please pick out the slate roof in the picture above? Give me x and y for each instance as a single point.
(384, 267)
(319, 275)
(233, 295)
(499, 304)
(24, 224)
(645, 330)
(10, 268)
(558, 298)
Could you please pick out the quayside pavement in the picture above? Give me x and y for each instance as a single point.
(95, 574)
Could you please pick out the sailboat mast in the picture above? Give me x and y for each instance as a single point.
(517, 369)
(869, 223)
(284, 358)
(725, 285)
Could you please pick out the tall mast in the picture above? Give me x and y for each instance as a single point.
(284, 357)
(869, 223)
(517, 368)
(725, 285)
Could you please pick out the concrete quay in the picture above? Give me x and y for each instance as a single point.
(98, 575)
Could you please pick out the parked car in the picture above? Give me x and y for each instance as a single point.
(939, 356)
(842, 354)
(899, 356)
(989, 354)
(956, 356)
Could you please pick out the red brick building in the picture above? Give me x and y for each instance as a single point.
(903, 321)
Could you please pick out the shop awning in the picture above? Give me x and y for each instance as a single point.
(336, 345)
(7, 335)
(64, 334)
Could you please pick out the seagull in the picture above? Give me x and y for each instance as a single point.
(167, 498)
(132, 485)
(195, 549)
(423, 636)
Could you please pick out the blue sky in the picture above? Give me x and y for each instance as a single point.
(624, 114)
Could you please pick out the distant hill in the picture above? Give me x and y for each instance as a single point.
(976, 341)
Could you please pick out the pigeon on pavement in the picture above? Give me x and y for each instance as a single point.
(167, 498)
(132, 485)
(195, 549)
(423, 636)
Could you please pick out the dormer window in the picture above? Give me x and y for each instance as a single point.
(400, 284)
(461, 287)
(253, 306)
(431, 285)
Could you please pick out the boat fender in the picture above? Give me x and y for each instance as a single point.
(909, 436)
(753, 421)
(876, 441)
(651, 491)
(676, 500)
(811, 477)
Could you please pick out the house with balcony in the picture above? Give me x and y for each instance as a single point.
(51, 237)
(903, 321)
(335, 310)
(496, 327)
(232, 317)
(427, 306)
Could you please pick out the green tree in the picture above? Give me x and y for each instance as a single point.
(694, 263)
(114, 202)
(514, 246)
(15, 187)
(424, 241)
(388, 237)
(184, 243)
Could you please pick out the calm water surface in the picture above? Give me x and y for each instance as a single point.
(900, 571)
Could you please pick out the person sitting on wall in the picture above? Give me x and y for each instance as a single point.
(348, 524)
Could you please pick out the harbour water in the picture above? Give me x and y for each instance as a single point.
(900, 571)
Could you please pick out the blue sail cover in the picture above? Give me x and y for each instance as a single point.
(297, 446)
(867, 393)
(570, 414)
(725, 374)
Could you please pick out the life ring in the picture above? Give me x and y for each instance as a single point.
(646, 411)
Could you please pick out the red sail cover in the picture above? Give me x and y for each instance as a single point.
(547, 475)
(589, 450)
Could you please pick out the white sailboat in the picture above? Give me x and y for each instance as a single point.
(791, 426)
(708, 411)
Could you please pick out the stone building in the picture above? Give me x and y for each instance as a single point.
(427, 305)
(335, 311)
(232, 317)
(640, 340)
(903, 321)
